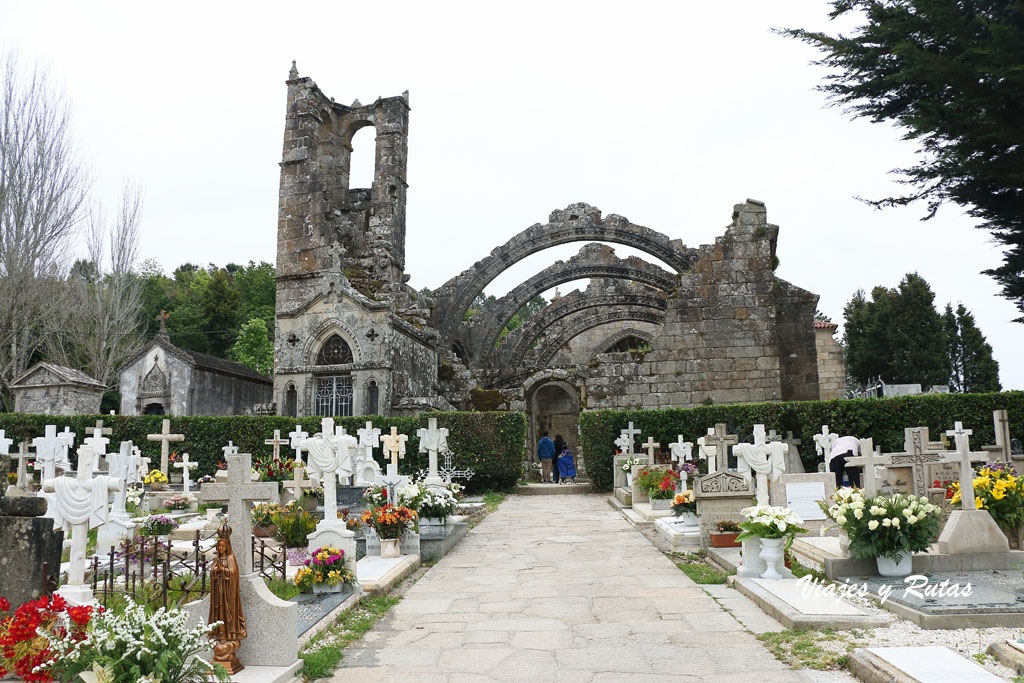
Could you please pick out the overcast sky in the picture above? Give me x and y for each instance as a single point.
(666, 113)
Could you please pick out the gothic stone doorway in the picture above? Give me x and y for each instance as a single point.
(554, 407)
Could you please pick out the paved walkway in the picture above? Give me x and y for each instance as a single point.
(559, 588)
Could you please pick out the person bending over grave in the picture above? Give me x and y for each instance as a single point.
(546, 455)
(844, 448)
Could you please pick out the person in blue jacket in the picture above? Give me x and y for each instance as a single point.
(546, 455)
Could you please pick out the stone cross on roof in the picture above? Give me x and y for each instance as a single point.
(650, 446)
(240, 491)
(296, 438)
(165, 438)
(277, 442)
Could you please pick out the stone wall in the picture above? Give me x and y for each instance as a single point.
(831, 363)
(584, 346)
(217, 394)
(57, 400)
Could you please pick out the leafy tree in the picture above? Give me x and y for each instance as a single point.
(821, 317)
(254, 348)
(973, 367)
(952, 75)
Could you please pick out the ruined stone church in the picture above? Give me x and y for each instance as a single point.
(353, 338)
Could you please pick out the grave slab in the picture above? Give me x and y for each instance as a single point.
(648, 514)
(313, 607)
(795, 607)
(817, 548)
(727, 558)
(269, 674)
(379, 574)
(929, 664)
(624, 495)
(679, 537)
(436, 548)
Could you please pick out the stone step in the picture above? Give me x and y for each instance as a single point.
(553, 489)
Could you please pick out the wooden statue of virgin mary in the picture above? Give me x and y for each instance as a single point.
(226, 605)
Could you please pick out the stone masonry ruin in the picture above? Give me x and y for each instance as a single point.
(352, 337)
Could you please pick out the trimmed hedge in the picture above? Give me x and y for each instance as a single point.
(881, 419)
(491, 444)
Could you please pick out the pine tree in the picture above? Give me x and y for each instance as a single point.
(917, 337)
(977, 370)
(953, 347)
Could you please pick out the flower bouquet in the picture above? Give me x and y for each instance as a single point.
(998, 489)
(888, 528)
(411, 496)
(157, 525)
(262, 516)
(324, 571)
(390, 524)
(437, 505)
(133, 496)
(294, 524)
(206, 479)
(353, 524)
(156, 480)
(274, 470)
(660, 486)
(725, 534)
(775, 527)
(33, 639)
(627, 466)
(685, 505)
(375, 496)
(180, 501)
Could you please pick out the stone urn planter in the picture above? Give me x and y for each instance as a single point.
(390, 547)
(689, 518)
(724, 539)
(771, 553)
(157, 486)
(661, 503)
(309, 503)
(435, 526)
(903, 567)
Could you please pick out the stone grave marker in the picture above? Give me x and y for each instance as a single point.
(5, 443)
(823, 444)
(184, 465)
(367, 470)
(767, 460)
(969, 530)
(432, 440)
(720, 497)
(1001, 426)
(124, 466)
(165, 437)
(627, 439)
(295, 439)
(720, 440)
(78, 505)
(347, 447)
(241, 491)
(794, 465)
(276, 442)
(924, 461)
(47, 449)
(801, 493)
(23, 456)
(651, 446)
(450, 473)
(65, 441)
(298, 483)
(682, 452)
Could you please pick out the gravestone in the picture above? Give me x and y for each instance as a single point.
(926, 461)
(718, 439)
(185, 465)
(24, 484)
(324, 462)
(31, 546)
(123, 465)
(800, 493)
(1001, 425)
(367, 470)
(450, 473)
(298, 483)
(276, 443)
(651, 446)
(295, 439)
(682, 452)
(969, 530)
(720, 496)
(870, 458)
(80, 504)
(165, 438)
(823, 444)
(767, 460)
(394, 448)
(432, 440)
(794, 463)
(627, 439)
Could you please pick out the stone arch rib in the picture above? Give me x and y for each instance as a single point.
(615, 338)
(576, 223)
(541, 356)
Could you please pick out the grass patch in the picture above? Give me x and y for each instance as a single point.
(492, 499)
(282, 588)
(323, 654)
(800, 571)
(699, 572)
(802, 649)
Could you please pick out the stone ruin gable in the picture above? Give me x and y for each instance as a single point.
(576, 223)
(831, 363)
(593, 261)
(51, 389)
(721, 341)
(321, 218)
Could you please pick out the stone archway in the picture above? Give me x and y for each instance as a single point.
(553, 405)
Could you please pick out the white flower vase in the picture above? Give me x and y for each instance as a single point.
(903, 567)
(689, 519)
(390, 547)
(629, 479)
(771, 553)
(661, 503)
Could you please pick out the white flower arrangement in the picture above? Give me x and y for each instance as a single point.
(886, 524)
(411, 496)
(628, 464)
(773, 517)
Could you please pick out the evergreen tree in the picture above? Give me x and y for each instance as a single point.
(951, 74)
(956, 359)
(974, 368)
(220, 309)
(917, 338)
(254, 348)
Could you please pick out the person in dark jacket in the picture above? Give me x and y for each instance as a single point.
(559, 448)
(546, 455)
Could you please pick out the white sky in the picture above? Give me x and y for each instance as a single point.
(666, 113)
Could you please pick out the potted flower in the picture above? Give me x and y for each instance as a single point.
(180, 501)
(155, 480)
(411, 496)
(375, 496)
(685, 505)
(27, 654)
(998, 489)
(294, 524)
(390, 524)
(158, 527)
(660, 486)
(889, 528)
(627, 466)
(274, 470)
(435, 509)
(133, 497)
(325, 571)
(262, 515)
(775, 527)
(353, 524)
(311, 498)
(725, 535)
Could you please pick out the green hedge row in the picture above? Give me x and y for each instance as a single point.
(491, 444)
(881, 419)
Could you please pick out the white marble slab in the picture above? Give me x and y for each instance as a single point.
(934, 664)
(797, 595)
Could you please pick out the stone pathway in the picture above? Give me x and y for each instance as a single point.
(560, 588)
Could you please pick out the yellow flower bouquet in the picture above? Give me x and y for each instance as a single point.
(998, 489)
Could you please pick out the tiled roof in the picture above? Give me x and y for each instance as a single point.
(822, 325)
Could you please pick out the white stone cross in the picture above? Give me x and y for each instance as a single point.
(721, 441)
(23, 456)
(623, 444)
(104, 431)
(230, 449)
(432, 440)
(651, 446)
(5, 443)
(143, 462)
(1001, 424)
(449, 472)
(823, 444)
(345, 445)
(324, 465)
(869, 458)
(682, 452)
(184, 465)
(65, 441)
(277, 442)
(165, 438)
(962, 437)
(392, 481)
(630, 434)
(369, 438)
(97, 441)
(296, 438)
(394, 445)
(124, 465)
(706, 452)
(298, 483)
(46, 452)
(767, 460)
(240, 491)
(78, 505)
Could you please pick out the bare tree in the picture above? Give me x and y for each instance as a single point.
(42, 193)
